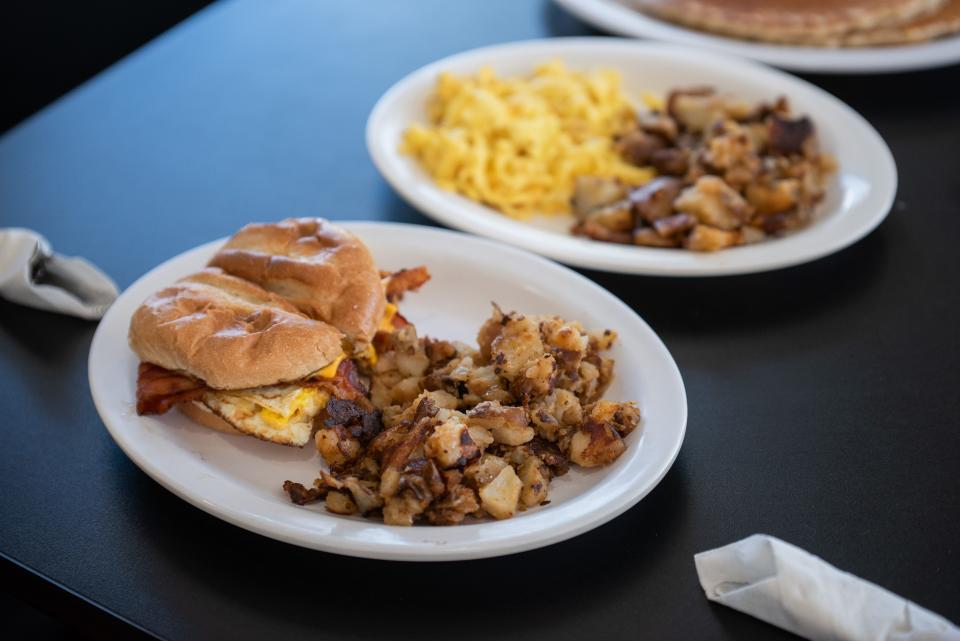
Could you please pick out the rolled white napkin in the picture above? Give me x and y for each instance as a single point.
(33, 275)
(792, 589)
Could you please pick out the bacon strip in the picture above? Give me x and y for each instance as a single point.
(159, 389)
(345, 384)
(405, 280)
(399, 321)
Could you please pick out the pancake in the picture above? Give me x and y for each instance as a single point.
(942, 22)
(790, 21)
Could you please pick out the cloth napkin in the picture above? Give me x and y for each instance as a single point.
(781, 584)
(33, 275)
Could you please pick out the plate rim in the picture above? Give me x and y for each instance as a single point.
(404, 551)
(617, 18)
(581, 252)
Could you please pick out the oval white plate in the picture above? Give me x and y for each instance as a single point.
(617, 17)
(858, 199)
(238, 479)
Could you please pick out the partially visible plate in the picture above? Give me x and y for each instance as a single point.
(238, 478)
(858, 199)
(617, 17)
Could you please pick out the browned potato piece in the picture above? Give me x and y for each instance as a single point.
(695, 109)
(658, 123)
(704, 238)
(624, 417)
(517, 345)
(648, 236)
(789, 136)
(337, 447)
(453, 507)
(340, 503)
(714, 203)
(750, 234)
(673, 225)
(637, 146)
(593, 192)
(501, 496)
(537, 380)
(481, 436)
(414, 363)
(364, 494)
(602, 340)
(401, 509)
(484, 470)
(655, 199)
(596, 444)
(595, 231)
(615, 217)
(774, 198)
(671, 161)
(535, 476)
(450, 444)
(508, 425)
(556, 413)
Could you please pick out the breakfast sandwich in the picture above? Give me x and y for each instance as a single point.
(262, 350)
(237, 358)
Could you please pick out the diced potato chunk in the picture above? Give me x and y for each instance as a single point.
(336, 449)
(596, 444)
(773, 199)
(401, 509)
(624, 417)
(483, 471)
(714, 203)
(500, 496)
(707, 239)
(536, 479)
(507, 424)
(451, 445)
(340, 503)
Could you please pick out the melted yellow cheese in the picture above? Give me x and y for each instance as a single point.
(330, 370)
(370, 354)
(386, 323)
(306, 396)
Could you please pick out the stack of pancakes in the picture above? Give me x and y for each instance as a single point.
(822, 23)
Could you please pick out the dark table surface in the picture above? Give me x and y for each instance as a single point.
(823, 398)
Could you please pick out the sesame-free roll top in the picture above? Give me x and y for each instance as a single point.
(322, 269)
(230, 333)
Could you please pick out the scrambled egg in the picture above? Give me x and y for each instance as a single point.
(517, 144)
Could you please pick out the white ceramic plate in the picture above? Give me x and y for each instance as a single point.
(858, 199)
(617, 17)
(239, 478)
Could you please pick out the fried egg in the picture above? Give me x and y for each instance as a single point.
(280, 413)
(284, 413)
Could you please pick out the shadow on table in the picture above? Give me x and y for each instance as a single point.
(560, 23)
(51, 338)
(932, 92)
(473, 599)
(757, 302)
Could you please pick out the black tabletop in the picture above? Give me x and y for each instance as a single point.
(823, 398)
